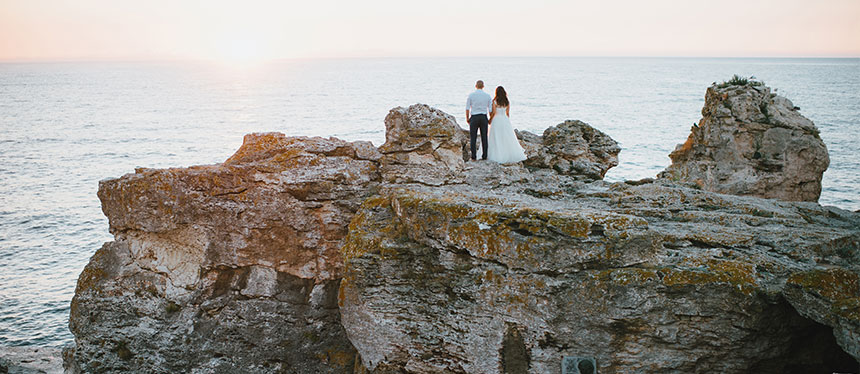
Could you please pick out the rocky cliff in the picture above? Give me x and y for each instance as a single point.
(231, 267)
(487, 278)
(307, 255)
(751, 142)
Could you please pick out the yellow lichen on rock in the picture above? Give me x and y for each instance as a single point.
(739, 275)
(834, 284)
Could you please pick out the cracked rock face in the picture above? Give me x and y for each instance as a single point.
(572, 148)
(651, 278)
(752, 142)
(312, 255)
(422, 145)
(236, 266)
(225, 268)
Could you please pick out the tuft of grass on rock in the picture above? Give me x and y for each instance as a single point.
(737, 80)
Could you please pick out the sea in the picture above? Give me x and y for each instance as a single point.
(66, 125)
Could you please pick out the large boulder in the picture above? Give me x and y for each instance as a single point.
(651, 278)
(422, 145)
(225, 268)
(571, 148)
(751, 142)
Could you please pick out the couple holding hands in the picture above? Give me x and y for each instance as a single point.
(483, 114)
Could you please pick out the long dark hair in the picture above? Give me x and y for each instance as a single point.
(501, 97)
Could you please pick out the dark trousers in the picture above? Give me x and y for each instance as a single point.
(478, 122)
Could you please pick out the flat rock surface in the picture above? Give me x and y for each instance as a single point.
(31, 360)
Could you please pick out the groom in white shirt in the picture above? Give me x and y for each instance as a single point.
(477, 109)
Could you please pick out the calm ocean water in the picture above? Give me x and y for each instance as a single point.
(65, 126)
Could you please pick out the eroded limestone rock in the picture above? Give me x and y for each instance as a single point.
(572, 148)
(649, 278)
(422, 145)
(225, 268)
(751, 142)
(30, 360)
(455, 267)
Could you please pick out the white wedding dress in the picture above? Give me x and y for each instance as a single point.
(502, 143)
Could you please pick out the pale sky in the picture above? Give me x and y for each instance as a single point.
(260, 30)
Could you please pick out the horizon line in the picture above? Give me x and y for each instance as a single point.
(311, 58)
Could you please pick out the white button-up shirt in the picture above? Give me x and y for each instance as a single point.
(479, 102)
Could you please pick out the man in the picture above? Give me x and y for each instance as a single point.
(477, 109)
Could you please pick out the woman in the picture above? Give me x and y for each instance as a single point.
(503, 146)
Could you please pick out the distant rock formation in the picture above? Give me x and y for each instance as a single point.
(751, 142)
(312, 255)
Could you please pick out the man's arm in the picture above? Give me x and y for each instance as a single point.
(468, 107)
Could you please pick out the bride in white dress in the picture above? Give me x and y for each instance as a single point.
(502, 143)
